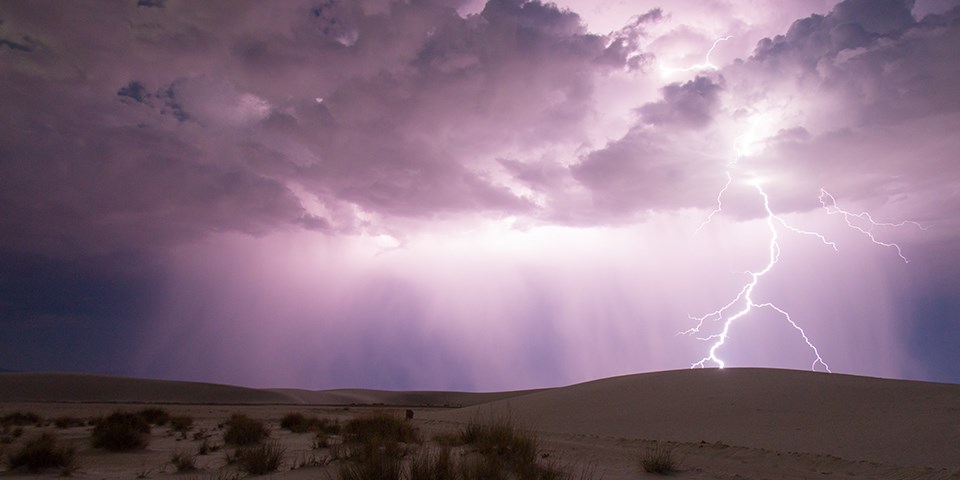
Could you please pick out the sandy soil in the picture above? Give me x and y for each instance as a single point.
(734, 423)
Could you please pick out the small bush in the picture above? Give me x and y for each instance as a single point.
(380, 427)
(181, 424)
(439, 466)
(658, 459)
(67, 422)
(21, 418)
(43, 452)
(121, 431)
(502, 439)
(300, 423)
(184, 462)
(243, 430)
(205, 447)
(155, 416)
(376, 465)
(320, 441)
(261, 459)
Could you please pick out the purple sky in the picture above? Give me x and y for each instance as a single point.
(475, 195)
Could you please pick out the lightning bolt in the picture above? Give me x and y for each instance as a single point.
(743, 303)
(706, 65)
(830, 205)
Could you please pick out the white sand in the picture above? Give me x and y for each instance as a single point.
(734, 423)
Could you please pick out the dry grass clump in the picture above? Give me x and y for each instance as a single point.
(155, 416)
(437, 466)
(65, 422)
(121, 431)
(243, 430)
(502, 439)
(380, 427)
(374, 464)
(184, 462)
(659, 459)
(261, 459)
(42, 453)
(21, 419)
(300, 423)
(181, 424)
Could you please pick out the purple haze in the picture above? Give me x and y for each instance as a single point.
(471, 195)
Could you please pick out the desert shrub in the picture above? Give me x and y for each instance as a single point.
(438, 466)
(43, 452)
(484, 467)
(206, 447)
(21, 418)
(501, 438)
(300, 423)
(374, 465)
(67, 422)
(243, 430)
(261, 459)
(184, 462)
(658, 459)
(155, 416)
(121, 431)
(181, 424)
(379, 427)
(448, 439)
(320, 441)
(295, 422)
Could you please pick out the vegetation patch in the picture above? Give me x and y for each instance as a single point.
(42, 453)
(21, 419)
(659, 459)
(299, 423)
(243, 430)
(261, 459)
(155, 416)
(181, 424)
(184, 462)
(121, 431)
(65, 422)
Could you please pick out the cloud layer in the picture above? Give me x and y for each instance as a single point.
(221, 153)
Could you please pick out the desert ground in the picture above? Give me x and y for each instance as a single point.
(722, 424)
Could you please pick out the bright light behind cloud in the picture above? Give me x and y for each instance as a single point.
(477, 194)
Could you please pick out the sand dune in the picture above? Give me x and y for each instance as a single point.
(394, 398)
(894, 422)
(75, 387)
(85, 388)
(756, 423)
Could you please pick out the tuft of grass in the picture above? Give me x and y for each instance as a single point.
(374, 465)
(659, 459)
(501, 438)
(181, 424)
(243, 431)
(155, 416)
(65, 422)
(21, 419)
(261, 459)
(379, 427)
(121, 431)
(184, 462)
(44, 452)
(438, 466)
(206, 447)
(295, 422)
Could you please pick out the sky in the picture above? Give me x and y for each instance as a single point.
(478, 195)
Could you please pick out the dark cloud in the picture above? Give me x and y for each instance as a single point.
(640, 173)
(685, 105)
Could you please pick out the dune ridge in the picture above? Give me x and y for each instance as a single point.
(895, 422)
(890, 422)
